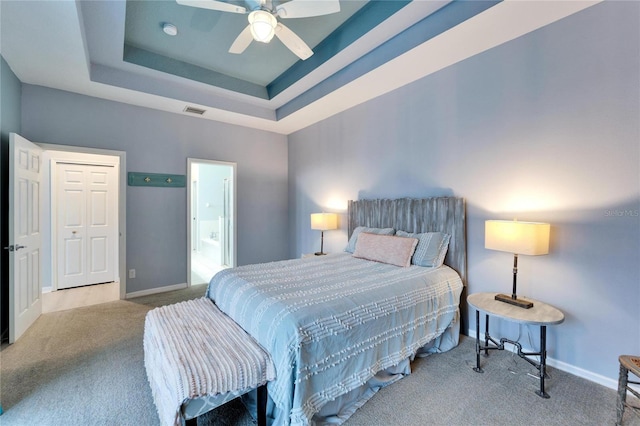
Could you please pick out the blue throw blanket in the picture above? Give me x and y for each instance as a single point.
(332, 322)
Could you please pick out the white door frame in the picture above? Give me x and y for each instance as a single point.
(122, 200)
(234, 167)
(195, 222)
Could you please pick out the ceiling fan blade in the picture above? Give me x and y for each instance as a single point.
(293, 42)
(213, 5)
(242, 41)
(307, 8)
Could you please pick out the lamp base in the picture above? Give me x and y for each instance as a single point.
(319, 253)
(521, 303)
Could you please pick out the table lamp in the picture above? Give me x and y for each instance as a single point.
(530, 238)
(323, 222)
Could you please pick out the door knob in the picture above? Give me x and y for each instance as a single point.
(14, 248)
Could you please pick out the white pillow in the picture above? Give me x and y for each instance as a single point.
(385, 248)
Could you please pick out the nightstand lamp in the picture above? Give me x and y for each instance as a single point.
(323, 222)
(530, 238)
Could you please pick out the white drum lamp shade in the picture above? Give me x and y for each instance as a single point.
(323, 222)
(529, 238)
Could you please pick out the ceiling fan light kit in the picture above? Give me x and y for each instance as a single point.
(263, 25)
(263, 22)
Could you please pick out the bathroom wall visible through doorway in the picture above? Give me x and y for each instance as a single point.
(212, 213)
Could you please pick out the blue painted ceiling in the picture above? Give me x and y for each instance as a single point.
(128, 49)
(199, 51)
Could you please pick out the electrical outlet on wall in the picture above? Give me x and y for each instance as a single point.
(132, 273)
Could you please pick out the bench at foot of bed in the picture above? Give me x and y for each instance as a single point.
(197, 358)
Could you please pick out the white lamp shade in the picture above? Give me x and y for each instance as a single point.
(324, 221)
(263, 25)
(531, 238)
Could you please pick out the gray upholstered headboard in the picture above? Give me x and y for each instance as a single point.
(443, 214)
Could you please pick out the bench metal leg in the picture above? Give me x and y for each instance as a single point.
(261, 408)
(262, 405)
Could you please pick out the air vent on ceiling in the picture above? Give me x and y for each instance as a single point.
(193, 110)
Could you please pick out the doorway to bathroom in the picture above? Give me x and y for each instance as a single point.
(212, 218)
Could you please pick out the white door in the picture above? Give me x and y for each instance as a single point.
(25, 239)
(86, 230)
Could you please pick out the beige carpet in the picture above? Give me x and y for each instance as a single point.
(85, 367)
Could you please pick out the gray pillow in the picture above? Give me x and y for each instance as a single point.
(431, 250)
(385, 249)
(351, 246)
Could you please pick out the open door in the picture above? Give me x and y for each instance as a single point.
(212, 213)
(25, 238)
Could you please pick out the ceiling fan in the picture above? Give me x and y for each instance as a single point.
(263, 23)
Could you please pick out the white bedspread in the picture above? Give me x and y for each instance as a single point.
(331, 323)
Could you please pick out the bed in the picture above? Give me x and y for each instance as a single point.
(340, 327)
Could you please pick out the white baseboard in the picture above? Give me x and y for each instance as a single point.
(568, 368)
(156, 290)
(585, 374)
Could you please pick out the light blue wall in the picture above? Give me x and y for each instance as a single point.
(159, 142)
(543, 128)
(10, 102)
